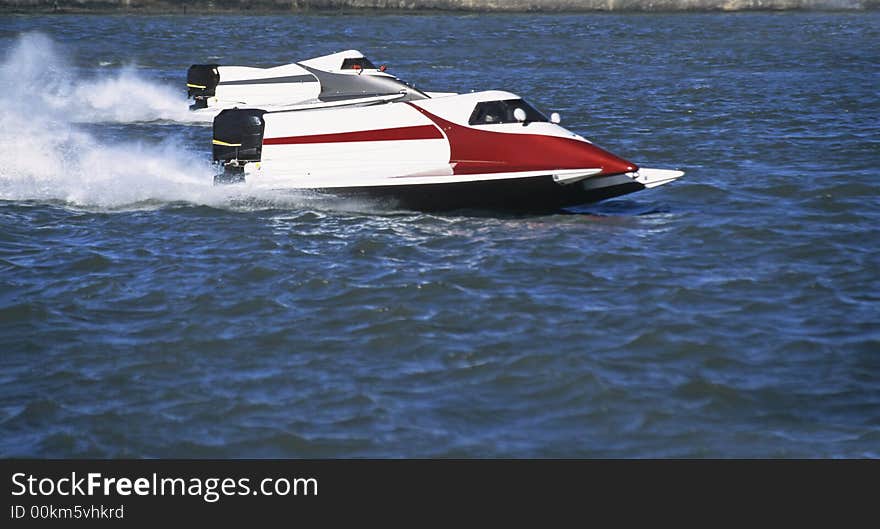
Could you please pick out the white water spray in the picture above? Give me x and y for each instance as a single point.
(48, 155)
(35, 73)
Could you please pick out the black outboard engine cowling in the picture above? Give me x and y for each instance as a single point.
(202, 80)
(238, 139)
(238, 135)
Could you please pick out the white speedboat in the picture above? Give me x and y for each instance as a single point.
(479, 150)
(339, 79)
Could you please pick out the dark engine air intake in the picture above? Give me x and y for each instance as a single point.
(202, 80)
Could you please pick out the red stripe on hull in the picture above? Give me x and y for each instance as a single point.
(483, 151)
(418, 132)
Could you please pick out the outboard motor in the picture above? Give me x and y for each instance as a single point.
(201, 82)
(238, 139)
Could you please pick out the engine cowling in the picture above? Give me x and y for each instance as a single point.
(238, 135)
(201, 82)
(238, 139)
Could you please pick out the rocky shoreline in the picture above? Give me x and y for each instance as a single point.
(319, 6)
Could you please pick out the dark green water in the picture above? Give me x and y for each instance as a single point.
(733, 313)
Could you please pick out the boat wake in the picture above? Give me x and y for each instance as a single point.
(50, 155)
(37, 72)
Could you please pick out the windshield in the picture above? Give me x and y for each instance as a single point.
(357, 64)
(492, 112)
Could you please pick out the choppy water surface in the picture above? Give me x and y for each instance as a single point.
(733, 313)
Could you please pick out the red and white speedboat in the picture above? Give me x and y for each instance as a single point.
(479, 150)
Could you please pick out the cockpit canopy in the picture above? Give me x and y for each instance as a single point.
(493, 112)
(358, 63)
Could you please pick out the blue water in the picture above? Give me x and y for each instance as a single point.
(733, 313)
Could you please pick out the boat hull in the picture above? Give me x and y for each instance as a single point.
(537, 194)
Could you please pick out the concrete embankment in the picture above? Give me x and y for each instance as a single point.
(208, 6)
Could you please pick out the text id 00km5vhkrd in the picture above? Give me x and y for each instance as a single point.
(66, 512)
